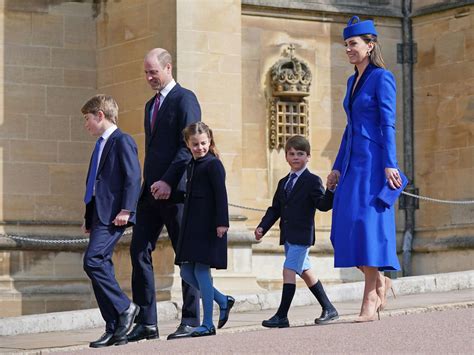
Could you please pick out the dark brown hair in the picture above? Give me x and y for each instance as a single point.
(298, 143)
(200, 128)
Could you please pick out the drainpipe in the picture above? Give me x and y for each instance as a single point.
(407, 56)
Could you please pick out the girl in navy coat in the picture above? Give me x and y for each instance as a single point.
(363, 230)
(203, 240)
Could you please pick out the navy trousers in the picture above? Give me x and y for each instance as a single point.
(152, 216)
(99, 267)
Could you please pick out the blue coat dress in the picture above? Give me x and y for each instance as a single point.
(363, 230)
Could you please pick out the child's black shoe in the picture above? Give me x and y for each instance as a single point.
(327, 315)
(276, 322)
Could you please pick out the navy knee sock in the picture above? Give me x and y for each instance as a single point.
(287, 295)
(318, 291)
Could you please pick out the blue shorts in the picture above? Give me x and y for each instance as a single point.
(297, 258)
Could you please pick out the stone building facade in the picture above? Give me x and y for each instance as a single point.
(58, 53)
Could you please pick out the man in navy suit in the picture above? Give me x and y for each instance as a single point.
(296, 199)
(112, 190)
(171, 109)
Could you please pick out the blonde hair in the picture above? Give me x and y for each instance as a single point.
(103, 103)
(375, 56)
(200, 128)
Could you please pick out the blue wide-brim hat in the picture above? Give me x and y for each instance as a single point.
(356, 27)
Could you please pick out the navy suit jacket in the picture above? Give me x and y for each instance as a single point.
(118, 180)
(166, 154)
(296, 212)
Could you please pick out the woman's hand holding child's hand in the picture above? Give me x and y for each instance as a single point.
(333, 179)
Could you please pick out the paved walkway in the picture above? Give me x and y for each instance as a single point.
(447, 332)
(68, 341)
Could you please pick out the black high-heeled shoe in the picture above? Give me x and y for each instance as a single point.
(230, 304)
(203, 333)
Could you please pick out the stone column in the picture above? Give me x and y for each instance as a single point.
(209, 63)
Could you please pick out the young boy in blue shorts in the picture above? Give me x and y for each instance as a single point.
(296, 199)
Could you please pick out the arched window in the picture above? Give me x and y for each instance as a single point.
(290, 79)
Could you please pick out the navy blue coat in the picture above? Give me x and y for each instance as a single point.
(296, 212)
(166, 154)
(118, 179)
(205, 209)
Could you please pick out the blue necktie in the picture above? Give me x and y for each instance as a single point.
(289, 184)
(92, 172)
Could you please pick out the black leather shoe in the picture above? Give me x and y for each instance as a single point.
(183, 331)
(103, 341)
(125, 324)
(327, 316)
(230, 304)
(276, 322)
(143, 331)
(205, 332)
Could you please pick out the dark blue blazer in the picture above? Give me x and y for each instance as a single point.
(205, 209)
(296, 212)
(166, 154)
(118, 179)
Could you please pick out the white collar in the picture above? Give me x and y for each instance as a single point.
(166, 90)
(108, 132)
(299, 172)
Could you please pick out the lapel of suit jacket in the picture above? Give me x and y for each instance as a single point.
(147, 116)
(164, 107)
(360, 85)
(299, 184)
(107, 147)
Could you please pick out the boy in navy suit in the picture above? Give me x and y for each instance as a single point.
(298, 196)
(112, 189)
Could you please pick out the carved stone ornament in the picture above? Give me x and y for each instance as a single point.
(290, 76)
(288, 109)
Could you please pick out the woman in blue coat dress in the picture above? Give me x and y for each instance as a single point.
(363, 230)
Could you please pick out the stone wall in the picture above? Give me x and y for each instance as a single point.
(48, 63)
(126, 31)
(444, 141)
(209, 63)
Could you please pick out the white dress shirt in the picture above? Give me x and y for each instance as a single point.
(163, 93)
